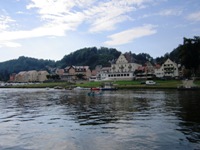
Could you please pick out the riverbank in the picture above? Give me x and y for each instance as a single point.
(160, 84)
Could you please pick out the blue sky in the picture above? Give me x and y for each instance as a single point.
(50, 29)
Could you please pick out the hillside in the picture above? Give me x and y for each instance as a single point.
(91, 56)
(23, 64)
(187, 54)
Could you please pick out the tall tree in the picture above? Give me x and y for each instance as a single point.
(189, 53)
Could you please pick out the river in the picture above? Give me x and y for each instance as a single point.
(41, 119)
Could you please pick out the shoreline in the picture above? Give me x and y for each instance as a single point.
(120, 85)
(127, 87)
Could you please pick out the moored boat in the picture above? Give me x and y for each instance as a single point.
(81, 88)
(106, 87)
(92, 93)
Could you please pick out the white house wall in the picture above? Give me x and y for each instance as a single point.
(168, 69)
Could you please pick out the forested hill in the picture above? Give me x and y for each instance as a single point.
(91, 56)
(187, 54)
(102, 56)
(23, 64)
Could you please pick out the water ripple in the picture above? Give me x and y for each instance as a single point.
(61, 119)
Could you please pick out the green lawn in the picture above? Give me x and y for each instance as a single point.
(197, 82)
(136, 84)
(44, 85)
(160, 84)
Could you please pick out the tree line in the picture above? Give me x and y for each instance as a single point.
(186, 54)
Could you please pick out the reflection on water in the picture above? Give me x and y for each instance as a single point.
(72, 120)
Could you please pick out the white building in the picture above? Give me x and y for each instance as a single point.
(168, 69)
(122, 69)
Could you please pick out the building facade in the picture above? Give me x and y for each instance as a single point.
(122, 69)
(168, 69)
(31, 76)
(76, 73)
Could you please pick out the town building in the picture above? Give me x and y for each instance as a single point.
(121, 69)
(30, 76)
(22, 76)
(169, 70)
(145, 72)
(76, 72)
(42, 76)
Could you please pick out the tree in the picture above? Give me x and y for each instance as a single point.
(189, 53)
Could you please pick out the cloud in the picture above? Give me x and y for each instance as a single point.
(165, 12)
(7, 38)
(9, 44)
(170, 12)
(59, 16)
(194, 16)
(62, 12)
(130, 35)
(4, 22)
(107, 15)
(99, 15)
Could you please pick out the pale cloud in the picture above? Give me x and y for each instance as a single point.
(4, 22)
(165, 12)
(9, 44)
(107, 15)
(38, 32)
(194, 16)
(100, 15)
(130, 35)
(61, 12)
(170, 12)
(7, 38)
(59, 16)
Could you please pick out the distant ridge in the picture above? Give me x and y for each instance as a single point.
(90, 56)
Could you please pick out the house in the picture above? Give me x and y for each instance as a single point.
(21, 77)
(158, 71)
(60, 72)
(12, 77)
(123, 68)
(32, 76)
(42, 76)
(77, 72)
(168, 69)
(103, 73)
(145, 72)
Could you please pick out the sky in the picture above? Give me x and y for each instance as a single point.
(51, 29)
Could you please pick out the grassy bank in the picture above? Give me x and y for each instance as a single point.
(170, 84)
(43, 85)
(160, 84)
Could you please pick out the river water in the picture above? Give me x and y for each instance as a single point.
(41, 119)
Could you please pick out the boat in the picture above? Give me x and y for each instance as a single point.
(95, 88)
(58, 87)
(81, 88)
(106, 87)
(92, 93)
